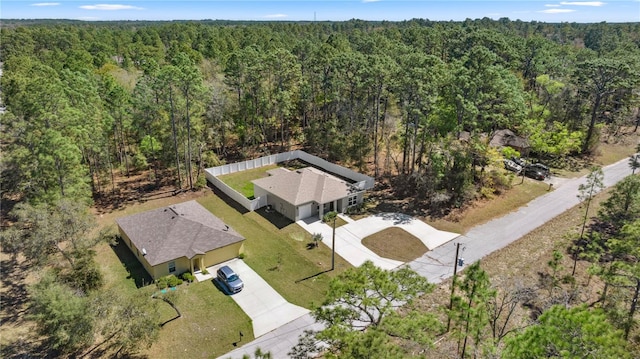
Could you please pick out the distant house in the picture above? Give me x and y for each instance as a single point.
(502, 138)
(179, 238)
(306, 192)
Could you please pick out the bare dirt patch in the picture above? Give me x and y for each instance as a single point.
(395, 243)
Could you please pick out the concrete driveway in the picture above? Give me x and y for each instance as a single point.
(349, 236)
(267, 309)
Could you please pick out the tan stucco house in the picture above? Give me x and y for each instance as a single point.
(306, 192)
(179, 238)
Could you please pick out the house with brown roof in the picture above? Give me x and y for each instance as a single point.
(180, 238)
(306, 192)
(506, 137)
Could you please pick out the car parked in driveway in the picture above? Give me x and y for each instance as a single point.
(542, 168)
(535, 173)
(512, 166)
(230, 279)
(519, 161)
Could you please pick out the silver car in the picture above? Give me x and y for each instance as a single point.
(230, 279)
(512, 166)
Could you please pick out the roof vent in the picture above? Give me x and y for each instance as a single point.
(144, 252)
(226, 228)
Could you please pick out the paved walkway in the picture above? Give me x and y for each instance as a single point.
(437, 264)
(349, 236)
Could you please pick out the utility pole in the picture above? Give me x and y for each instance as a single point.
(453, 284)
(333, 244)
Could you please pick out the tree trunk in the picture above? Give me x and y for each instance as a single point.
(592, 123)
(123, 145)
(175, 137)
(189, 142)
(632, 310)
(405, 150)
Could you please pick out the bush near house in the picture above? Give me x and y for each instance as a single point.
(168, 281)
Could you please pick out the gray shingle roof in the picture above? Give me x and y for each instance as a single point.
(304, 185)
(181, 230)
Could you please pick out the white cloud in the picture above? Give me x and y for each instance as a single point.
(46, 4)
(557, 11)
(110, 7)
(583, 3)
(275, 16)
(552, 5)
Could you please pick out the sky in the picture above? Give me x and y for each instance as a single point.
(333, 10)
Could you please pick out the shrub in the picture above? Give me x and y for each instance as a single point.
(329, 216)
(317, 238)
(242, 256)
(173, 281)
(139, 161)
(187, 276)
(201, 182)
(205, 271)
(161, 283)
(168, 281)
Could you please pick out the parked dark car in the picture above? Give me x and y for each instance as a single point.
(542, 168)
(230, 279)
(535, 173)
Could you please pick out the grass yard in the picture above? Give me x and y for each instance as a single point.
(210, 324)
(280, 256)
(210, 320)
(484, 211)
(395, 243)
(241, 181)
(608, 153)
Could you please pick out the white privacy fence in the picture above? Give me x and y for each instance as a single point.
(362, 182)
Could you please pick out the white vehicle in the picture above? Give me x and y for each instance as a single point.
(512, 166)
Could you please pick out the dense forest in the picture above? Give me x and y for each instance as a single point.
(412, 103)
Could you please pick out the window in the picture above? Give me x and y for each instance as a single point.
(353, 200)
(172, 267)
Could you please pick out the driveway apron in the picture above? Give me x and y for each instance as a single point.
(267, 309)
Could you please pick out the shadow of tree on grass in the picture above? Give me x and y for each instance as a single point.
(131, 264)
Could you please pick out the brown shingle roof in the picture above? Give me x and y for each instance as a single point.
(506, 137)
(180, 230)
(304, 185)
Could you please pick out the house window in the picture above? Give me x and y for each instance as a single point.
(172, 267)
(353, 200)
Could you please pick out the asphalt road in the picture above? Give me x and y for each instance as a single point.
(437, 264)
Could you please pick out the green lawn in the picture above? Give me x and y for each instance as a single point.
(211, 322)
(281, 256)
(241, 181)
(395, 243)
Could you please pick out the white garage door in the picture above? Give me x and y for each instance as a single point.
(304, 211)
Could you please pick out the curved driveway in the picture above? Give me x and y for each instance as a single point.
(349, 237)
